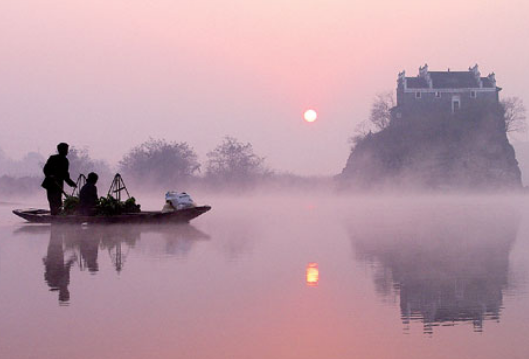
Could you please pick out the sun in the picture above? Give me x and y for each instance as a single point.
(310, 115)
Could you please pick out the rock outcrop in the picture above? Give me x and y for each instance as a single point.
(466, 150)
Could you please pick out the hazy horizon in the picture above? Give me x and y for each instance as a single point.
(108, 76)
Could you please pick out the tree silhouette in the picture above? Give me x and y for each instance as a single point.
(514, 114)
(234, 162)
(380, 114)
(160, 161)
(81, 162)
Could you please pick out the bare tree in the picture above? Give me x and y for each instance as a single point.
(380, 114)
(234, 162)
(514, 114)
(379, 118)
(361, 131)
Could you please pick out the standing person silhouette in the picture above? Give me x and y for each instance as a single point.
(56, 173)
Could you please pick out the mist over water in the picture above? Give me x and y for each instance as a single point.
(396, 277)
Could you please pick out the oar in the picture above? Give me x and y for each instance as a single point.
(62, 190)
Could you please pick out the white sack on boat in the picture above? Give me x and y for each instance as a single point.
(179, 200)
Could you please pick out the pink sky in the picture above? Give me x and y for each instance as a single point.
(107, 75)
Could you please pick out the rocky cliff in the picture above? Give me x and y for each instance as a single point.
(466, 150)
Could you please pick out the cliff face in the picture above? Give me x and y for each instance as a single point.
(467, 150)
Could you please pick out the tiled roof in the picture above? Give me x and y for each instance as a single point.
(448, 79)
(453, 79)
(487, 83)
(416, 83)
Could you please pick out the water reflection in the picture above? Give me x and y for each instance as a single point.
(445, 265)
(313, 274)
(73, 246)
(57, 268)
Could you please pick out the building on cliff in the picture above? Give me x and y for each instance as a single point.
(445, 91)
(447, 131)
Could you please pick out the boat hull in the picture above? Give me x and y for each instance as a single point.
(179, 216)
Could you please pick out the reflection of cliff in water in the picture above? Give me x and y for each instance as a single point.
(73, 246)
(447, 264)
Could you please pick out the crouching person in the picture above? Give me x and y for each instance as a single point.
(88, 196)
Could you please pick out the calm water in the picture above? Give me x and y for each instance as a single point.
(283, 277)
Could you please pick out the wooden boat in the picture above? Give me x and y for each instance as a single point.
(179, 216)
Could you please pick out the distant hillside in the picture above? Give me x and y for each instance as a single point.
(466, 150)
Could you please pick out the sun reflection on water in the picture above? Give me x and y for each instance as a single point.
(313, 274)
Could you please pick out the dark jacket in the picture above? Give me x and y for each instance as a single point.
(88, 198)
(56, 172)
